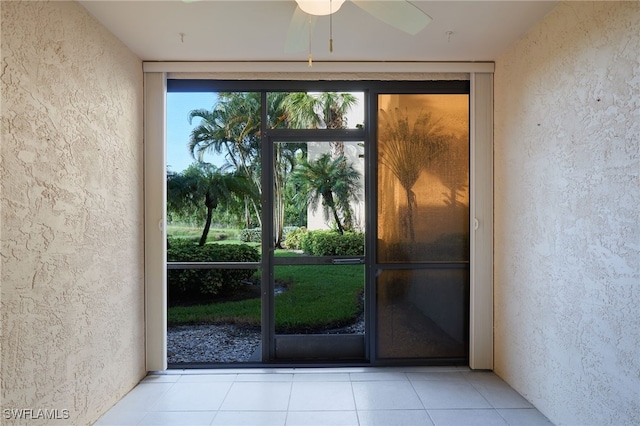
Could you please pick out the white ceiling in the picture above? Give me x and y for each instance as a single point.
(257, 30)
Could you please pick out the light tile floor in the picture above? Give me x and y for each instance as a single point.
(323, 397)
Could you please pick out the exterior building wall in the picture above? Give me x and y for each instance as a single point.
(72, 297)
(567, 231)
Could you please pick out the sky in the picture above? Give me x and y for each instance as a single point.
(178, 128)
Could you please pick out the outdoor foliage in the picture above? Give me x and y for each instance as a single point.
(331, 243)
(294, 238)
(193, 233)
(328, 182)
(232, 128)
(318, 297)
(206, 283)
(253, 235)
(207, 195)
(205, 186)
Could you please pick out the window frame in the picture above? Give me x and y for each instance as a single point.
(481, 211)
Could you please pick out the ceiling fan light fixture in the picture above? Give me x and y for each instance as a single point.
(320, 7)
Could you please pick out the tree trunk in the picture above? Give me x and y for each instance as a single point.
(278, 197)
(348, 215)
(337, 219)
(257, 212)
(278, 210)
(207, 225)
(332, 205)
(337, 149)
(247, 214)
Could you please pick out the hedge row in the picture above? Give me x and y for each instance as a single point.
(326, 243)
(316, 243)
(194, 283)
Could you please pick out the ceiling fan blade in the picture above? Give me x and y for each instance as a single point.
(300, 26)
(400, 14)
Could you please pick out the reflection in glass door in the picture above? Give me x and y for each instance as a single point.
(422, 282)
(318, 267)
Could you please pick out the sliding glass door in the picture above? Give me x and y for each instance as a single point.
(317, 271)
(314, 227)
(422, 246)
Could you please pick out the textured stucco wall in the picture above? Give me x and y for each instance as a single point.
(72, 213)
(567, 203)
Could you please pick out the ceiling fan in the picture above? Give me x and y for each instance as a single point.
(400, 14)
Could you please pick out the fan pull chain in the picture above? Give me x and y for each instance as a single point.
(310, 57)
(330, 25)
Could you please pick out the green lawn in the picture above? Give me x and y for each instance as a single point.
(317, 297)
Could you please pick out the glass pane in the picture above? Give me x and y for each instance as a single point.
(319, 211)
(422, 313)
(319, 196)
(423, 178)
(319, 299)
(315, 110)
(213, 328)
(213, 173)
(213, 192)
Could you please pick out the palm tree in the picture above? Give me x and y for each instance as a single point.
(232, 128)
(180, 202)
(284, 158)
(326, 180)
(326, 110)
(205, 184)
(407, 149)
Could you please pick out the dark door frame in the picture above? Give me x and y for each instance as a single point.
(371, 89)
(306, 348)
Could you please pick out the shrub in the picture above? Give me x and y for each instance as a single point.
(287, 230)
(253, 235)
(293, 239)
(194, 283)
(331, 243)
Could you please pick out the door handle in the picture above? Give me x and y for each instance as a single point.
(354, 261)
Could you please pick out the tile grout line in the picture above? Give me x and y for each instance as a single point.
(218, 410)
(355, 402)
(286, 415)
(483, 387)
(420, 399)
